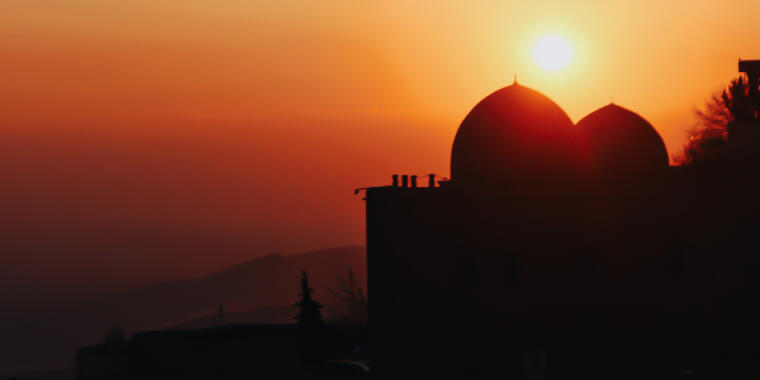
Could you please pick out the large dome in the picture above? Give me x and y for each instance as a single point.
(515, 135)
(622, 143)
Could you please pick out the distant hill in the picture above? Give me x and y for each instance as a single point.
(269, 281)
(263, 288)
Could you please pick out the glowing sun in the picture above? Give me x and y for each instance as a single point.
(552, 53)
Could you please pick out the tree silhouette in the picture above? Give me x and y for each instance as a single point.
(731, 108)
(310, 314)
(352, 299)
(310, 325)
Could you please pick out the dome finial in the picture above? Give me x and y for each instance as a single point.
(515, 82)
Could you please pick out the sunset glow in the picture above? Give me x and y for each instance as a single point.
(251, 122)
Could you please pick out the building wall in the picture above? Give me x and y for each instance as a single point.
(457, 276)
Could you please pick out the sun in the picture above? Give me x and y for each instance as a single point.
(552, 53)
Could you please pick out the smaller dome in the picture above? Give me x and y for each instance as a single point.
(622, 143)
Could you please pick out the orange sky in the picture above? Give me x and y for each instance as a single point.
(137, 131)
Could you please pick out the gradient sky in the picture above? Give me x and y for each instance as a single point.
(149, 139)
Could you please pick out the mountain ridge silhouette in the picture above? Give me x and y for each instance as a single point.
(271, 281)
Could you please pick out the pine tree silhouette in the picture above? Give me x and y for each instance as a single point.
(310, 325)
(310, 314)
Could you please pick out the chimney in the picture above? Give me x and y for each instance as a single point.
(414, 181)
(404, 180)
(431, 180)
(395, 180)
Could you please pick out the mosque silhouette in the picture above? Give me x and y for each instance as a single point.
(558, 249)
